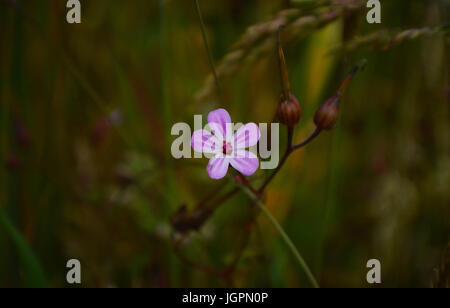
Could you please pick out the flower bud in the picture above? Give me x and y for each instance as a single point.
(327, 115)
(289, 111)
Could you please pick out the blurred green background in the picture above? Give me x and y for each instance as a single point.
(85, 118)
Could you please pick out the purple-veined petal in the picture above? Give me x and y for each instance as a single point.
(218, 167)
(245, 162)
(247, 136)
(220, 117)
(202, 141)
(216, 130)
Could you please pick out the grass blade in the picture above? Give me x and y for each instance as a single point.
(32, 271)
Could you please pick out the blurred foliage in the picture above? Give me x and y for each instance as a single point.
(85, 117)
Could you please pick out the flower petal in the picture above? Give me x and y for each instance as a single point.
(221, 117)
(218, 167)
(217, 131)
(202, 141)
(245, 162)
(247, 136)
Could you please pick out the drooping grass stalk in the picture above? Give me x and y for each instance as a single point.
(208, 50)
(287, 240)
(257, 41)
(386, 39)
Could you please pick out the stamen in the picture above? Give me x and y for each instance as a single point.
(227, 148)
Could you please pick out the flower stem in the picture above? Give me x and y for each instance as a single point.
(284, 236)
(208, 50)
(290, 148)
(275, 172)
(307, 140)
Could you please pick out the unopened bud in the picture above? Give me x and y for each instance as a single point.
(327, 115)
(289, 111)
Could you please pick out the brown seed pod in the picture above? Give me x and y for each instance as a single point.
(289, 111)
(327, 115)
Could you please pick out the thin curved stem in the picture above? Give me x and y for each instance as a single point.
(208, 50)
(307, 140)
(275, 172)
(291, 148)
(284, 236)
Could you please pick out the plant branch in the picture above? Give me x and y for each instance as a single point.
(290, 148)
(275, 172)
(307, 140)
(184, 221)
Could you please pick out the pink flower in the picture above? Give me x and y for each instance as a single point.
(225, 147)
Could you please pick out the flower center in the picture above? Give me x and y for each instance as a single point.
(227, 148)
